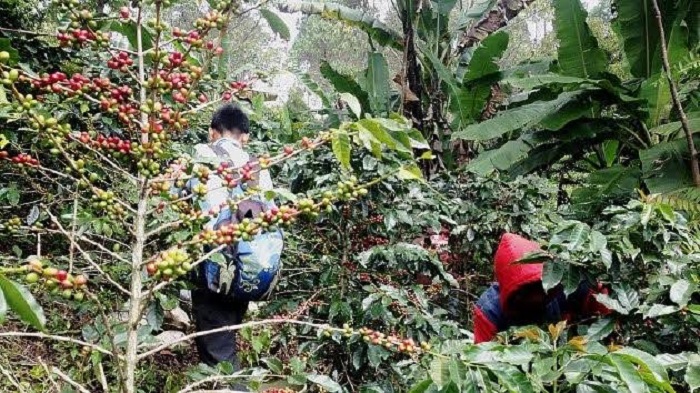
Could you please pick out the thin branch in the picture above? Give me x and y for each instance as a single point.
(173, 224)
(20, 31)
(102, 377)
(48, 373)
(72, 235)
(87, 256)
(234, 328)
(203, 106)
(57, 338)
(12, 379)
(111, 163)
(68, 379)
(215, 378)
(694, 164)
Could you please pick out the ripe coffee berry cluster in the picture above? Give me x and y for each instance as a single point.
(365, 242)
(78, 37)
(121, 61)
(239, 85)
(50, 82)
(24, 159)
(112, 143)
(228, 176)
(59, 83)
(211, 20)
(12, 225)
(282, 216)
(247, 172)
(55, 280)
(405, 345)
(170, 264)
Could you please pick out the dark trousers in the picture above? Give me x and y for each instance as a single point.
(210, 311)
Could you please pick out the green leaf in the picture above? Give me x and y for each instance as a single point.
(600, 329)
(353, 104)
(502, 158)
(514, 119)
(568, 113)
(325, 382)
(645, 360)
(281, 192)
(629, 374)
(458, 94)
(128, 30)
(656, 92)
(485, 58)
(626, 299)
(439, 371)
(676, 126)
(376, 82)
(6, 46)
(640, 36)
(297, 379)
(511, 378)
(571, 234)
(665, 166)
(380, 133)
(421, 387)
(275, 365)
(675, 362)
(552, 274)
(376, 29)
(410, 172)
(692, 373)
(276, 23)
(3, 307)
(694, 308)
(21, 301)
(376, 354)
(345, 84)
(342, 148)
(681, 291)
(659, 310)
(578, 52)
(538, 81)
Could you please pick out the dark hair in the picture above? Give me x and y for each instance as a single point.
(229, 118)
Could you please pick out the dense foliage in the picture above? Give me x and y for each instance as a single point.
(438, 132)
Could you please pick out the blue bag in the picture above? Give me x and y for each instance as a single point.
(252, 268)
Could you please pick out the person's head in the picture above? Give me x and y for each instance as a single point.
(527, 304)
(229, 121)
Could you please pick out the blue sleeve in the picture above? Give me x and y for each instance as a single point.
(490, 305)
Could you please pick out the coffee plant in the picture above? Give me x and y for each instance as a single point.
(92, 152)
(98, 231)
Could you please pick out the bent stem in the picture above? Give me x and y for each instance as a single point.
(694, 164)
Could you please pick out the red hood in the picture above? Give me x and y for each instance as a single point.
(510, 275)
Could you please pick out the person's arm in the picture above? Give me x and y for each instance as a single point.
(584, 303)
(488, 316)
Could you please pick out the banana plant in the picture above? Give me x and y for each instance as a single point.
(452, 86)
(578, 114)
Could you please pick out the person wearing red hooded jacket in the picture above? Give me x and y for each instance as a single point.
(518, 298)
